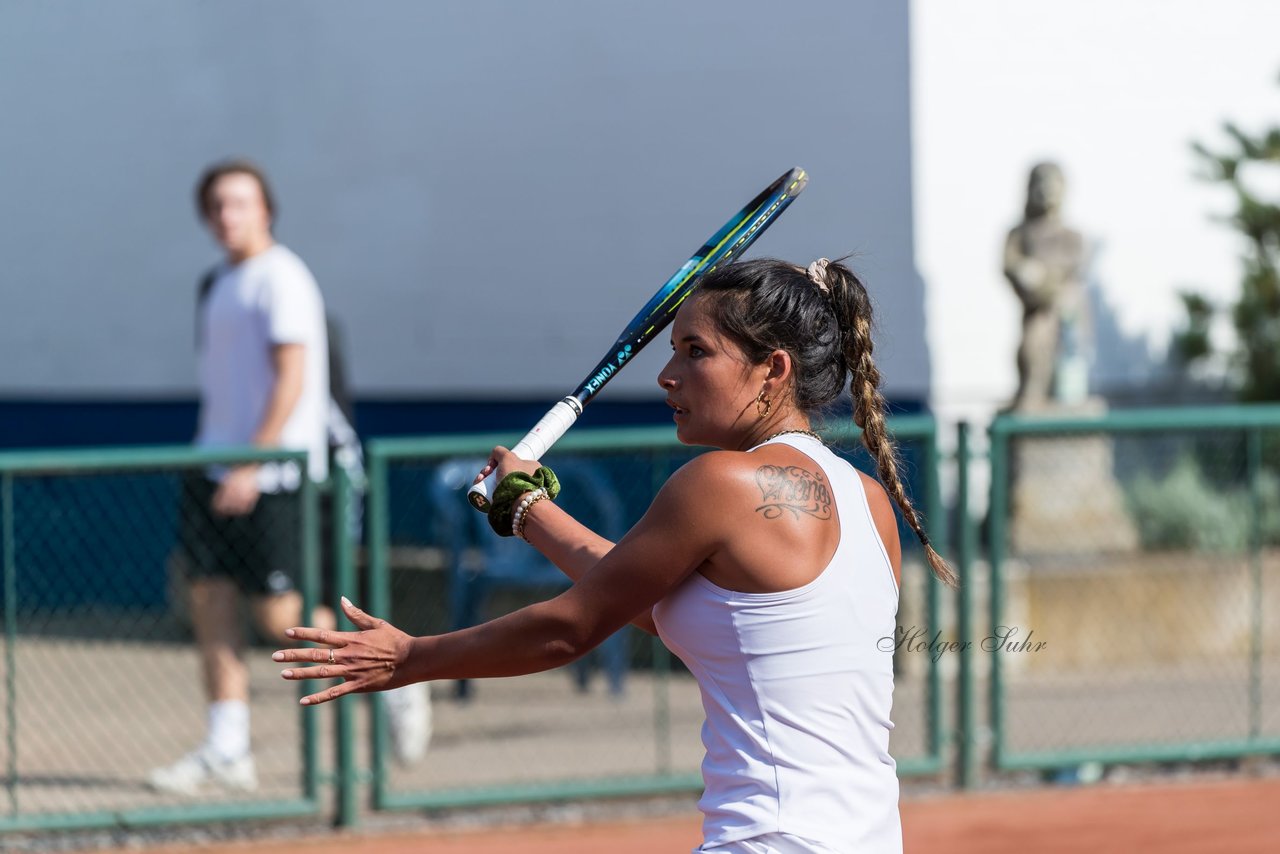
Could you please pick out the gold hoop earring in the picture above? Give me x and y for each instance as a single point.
(763, 411)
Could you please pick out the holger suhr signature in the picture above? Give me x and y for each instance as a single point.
(915, 639)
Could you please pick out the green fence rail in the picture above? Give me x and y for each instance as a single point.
(548, 737)
(100, 677)
(1137, 557)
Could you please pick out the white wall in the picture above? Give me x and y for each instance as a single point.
(446, 168)
(1116, 91)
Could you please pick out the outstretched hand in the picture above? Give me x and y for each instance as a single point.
(371, 659)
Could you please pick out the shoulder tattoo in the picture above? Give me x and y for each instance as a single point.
(794, 489)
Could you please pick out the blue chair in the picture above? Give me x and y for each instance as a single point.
(481, 562)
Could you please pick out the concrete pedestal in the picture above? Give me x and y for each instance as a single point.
(1065, 499)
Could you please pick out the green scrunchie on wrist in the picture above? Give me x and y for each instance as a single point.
(514, 485)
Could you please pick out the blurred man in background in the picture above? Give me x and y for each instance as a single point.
(264, 381)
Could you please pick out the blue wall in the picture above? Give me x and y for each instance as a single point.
(77, 423)
(446, 170)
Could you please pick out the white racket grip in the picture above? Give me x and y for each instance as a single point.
(535, 443)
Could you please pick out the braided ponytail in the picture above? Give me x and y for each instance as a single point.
(853, 312)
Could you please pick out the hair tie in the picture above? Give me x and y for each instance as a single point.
(818, 275)
(503, 504)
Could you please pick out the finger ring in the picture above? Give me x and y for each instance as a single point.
(331, 661)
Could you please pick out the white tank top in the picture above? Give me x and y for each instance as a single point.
(797, 690)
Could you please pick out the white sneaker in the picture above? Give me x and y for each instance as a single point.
(409, 721)
(190, 773)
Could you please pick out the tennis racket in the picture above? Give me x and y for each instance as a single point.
(726, 244)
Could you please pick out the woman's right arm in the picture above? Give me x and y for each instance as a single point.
(571, 546)
(563, 540)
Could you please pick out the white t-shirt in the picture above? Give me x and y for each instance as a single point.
(266, 300)
(797, 688)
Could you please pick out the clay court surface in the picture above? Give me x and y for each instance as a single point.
(1229, 817)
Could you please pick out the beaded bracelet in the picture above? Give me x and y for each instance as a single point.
(521, 514)
(521, 507)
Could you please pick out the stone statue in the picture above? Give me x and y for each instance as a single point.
(1042, 260)
(1065, 500)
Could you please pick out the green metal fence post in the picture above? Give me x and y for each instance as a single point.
(308, 495)
(378, 527)
(347, 809)
(1254, 442)
(966, 686)
(10, 640)
(997, 512)
(937, 528)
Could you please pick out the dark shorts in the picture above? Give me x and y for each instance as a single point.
(260, 551)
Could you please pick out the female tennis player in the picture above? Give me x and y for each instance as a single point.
(770, 567)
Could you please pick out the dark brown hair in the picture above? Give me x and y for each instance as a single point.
(233, 166)
(764, 305)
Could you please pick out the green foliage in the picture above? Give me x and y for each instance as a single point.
(1256, 313)
(1193, 342)
(1183, 510)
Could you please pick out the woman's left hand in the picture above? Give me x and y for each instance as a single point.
(371, 659)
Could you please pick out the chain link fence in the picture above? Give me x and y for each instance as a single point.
(100, 681)
(1135, 566)
(1135, 587)
(627, 718)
